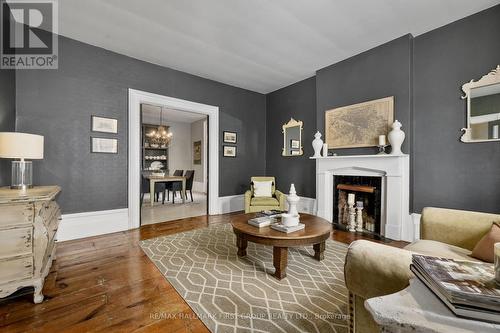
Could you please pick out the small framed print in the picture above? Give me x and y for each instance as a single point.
(294, 144)
(229, 151)
(230, 137)
(104, 125)
(103, 145)
(295, 152)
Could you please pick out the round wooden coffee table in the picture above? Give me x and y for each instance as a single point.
(315, 233)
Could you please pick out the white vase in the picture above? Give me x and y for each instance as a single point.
(317, 144)
(396, 138)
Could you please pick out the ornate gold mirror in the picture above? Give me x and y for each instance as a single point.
(292, 138)
(483, 108)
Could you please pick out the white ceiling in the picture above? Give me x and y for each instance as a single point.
(151, 115)
(261, 45)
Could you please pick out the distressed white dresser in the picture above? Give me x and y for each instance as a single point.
(28, 227)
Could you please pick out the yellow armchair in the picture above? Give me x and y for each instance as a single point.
(258, 204)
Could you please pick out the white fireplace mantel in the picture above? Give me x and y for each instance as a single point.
(395, 172)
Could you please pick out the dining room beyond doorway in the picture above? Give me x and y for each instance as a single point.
(173, 164)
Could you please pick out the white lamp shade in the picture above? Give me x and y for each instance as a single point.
(21, 145)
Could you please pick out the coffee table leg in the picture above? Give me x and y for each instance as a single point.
(280, 260)
(242, 244)
(319, 251)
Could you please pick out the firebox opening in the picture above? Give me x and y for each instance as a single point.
(367, 192)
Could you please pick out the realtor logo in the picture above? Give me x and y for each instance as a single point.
(29, 34)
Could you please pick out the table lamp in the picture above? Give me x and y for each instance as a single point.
(21, 146)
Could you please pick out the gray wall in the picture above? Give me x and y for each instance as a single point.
(7, 116)
(449, 173)
(90, 80)
(297, 101)
(380, 72)
(197, 135)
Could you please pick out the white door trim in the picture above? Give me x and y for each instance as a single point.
(135, 98)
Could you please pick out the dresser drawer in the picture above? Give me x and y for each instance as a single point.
(16, 269)
(16, 242)
(16, 214)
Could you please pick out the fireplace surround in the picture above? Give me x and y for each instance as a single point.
(395, 219)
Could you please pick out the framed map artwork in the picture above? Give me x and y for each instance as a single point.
(359, 125)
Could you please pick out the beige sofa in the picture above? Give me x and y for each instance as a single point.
(374, 269)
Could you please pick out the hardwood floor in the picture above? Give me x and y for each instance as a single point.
(107, 284)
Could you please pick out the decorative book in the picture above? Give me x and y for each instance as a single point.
(261, 222)
(467, 288)
(287, 229)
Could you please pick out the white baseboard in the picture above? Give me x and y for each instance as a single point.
(199, 187)
(234, 203)
(231, 203)
(80, 225)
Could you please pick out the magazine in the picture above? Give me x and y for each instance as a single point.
(468, 288)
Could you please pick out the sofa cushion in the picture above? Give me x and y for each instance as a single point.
(264, 201)
(484, 250)
(438, 249)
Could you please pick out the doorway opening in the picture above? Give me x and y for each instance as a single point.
(174, 159)
(135, 152)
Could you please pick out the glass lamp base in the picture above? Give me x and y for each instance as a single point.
(22, 175)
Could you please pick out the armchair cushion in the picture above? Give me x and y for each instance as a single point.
(263, 179)
(264, 201)
(263, 189)
(438, 249)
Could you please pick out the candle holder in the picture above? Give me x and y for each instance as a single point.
(381, 149)
(352, 219)
(359, 219)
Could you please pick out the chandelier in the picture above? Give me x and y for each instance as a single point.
(160, 135)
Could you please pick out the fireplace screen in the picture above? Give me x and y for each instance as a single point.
(367, 194)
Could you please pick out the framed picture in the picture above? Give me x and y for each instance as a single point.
(359, 125)
(103, 145)
(104, 125)
(197, 152)
(229, 151)
(230, 137)
(295, 144)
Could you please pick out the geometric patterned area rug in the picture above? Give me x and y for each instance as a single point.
(232, 294)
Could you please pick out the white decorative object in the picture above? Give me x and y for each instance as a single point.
(350, 199)
(417, 310)
(262, 189)
(352, 219)
(292, 198)
(381, 140)
(395, 221)
(359, 217)
(495, 132)
(487, 85)
(325, 149)
(317, 144)
(289, 220)
(396, 138)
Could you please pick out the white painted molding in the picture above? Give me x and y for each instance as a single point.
(81, 225)
(199, 187)
(415, 218)
(231, 203)
(135, 98)
(235, 203)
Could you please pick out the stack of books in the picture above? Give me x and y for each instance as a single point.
(263, 221)
(467, 288)
(287, 229)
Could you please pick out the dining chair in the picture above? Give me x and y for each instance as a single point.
(189, 182)
(159, 188)
(174, 186)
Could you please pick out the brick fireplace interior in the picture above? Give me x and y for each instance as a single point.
(366, 189)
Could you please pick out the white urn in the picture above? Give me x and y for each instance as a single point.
(396, 138)
(317, 144)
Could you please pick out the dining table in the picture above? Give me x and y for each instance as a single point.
(165, 179)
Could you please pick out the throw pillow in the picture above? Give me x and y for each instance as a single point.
(484, 249)
(262, 189)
